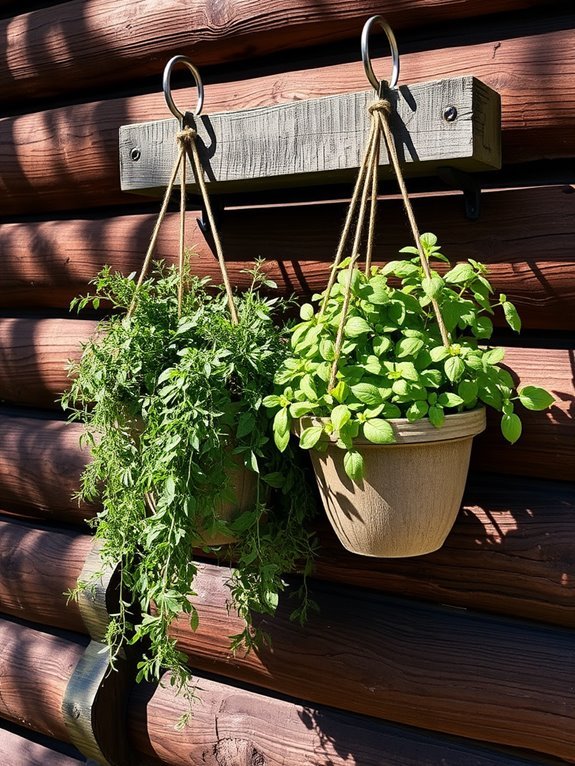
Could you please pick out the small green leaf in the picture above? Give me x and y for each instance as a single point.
(367, 393)
(339, 416)
(511, 316)
(353, 465)
(299, 409)
(408, 347)
(459, 274)
(448, 399)
(246, 423)
(340, 391)
(356, 326)
(310, 436)
(271, 401)
(308, 387)
(281, 421)
(467, 390)
(439, 353)
(493, 356)
(432, 286)
(535, 398)
(428, 240)
(378, 431)
(417, 411)
(511, 427)
(306, 312)
(377, 290)
(327, 349)
(454, 368)
(281, 440)
(482, 327)
(436, 416)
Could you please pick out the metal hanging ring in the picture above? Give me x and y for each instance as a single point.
(168, 90)
(379, 85)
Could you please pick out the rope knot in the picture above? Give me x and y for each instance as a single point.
(381, 105)
(186, 134)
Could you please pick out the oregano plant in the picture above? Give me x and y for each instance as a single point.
(393, 362)
(172, 409)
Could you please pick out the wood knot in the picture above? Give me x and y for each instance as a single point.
(237, 752)
(381, 105)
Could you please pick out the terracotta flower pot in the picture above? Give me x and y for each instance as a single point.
(411, 492)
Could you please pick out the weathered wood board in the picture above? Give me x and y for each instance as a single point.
(316, 141)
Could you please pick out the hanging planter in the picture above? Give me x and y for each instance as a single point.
(389, 376)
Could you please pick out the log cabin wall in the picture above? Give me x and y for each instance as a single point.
(464, 657)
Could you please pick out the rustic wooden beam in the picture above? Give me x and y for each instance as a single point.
(18, 750)
(232, 727)
(525, 236)
(323, 140)
(508, 681)
(67, 158)
(35, 668)
(102, 33)
(511, 552)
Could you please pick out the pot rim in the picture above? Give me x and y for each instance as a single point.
(459, 425)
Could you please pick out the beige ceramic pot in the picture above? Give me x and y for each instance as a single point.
(411, 492)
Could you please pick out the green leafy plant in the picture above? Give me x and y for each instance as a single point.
(393, 363)
(172, 411)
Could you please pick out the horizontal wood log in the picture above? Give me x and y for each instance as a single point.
(509, 683)
(512, 552)
(37, 566)
(67, 158)
(547, 447)
(321, 140)
(525, 236)
(34, 670)
(40, 467)
(235, 727)
(18, 750)
(109, 41)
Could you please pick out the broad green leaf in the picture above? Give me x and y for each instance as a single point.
(436, 416)
(482, 327)
(378, 431)
(281, 440)
(340, 391)
(353, 465)
(417, 411)
(535, 398)
(271, 401)
(408, 347)
(377, 290)
(299, 409)
(511, 427)
(459, 274)
(454, 368)
(439, 353)
(448, 399)
(356, 326)
(327, 349)
(493, 356)
(308, 387)
(467, 390)
(339, 416)
(310, 436)
(381, 345)
(431, 378)
(408, 371)
(428, 240)
(432, 286)
(306, 312)
(366, 393)
(246, 423)
(281, 421)
(511, 316)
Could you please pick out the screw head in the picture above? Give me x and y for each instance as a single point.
(449, 113)
(135, 154)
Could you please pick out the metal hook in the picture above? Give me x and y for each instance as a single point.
(379, 85)
(168, 90)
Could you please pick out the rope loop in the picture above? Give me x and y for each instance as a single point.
(381, 105)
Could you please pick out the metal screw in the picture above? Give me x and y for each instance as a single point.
(449, 113)
(135, 154)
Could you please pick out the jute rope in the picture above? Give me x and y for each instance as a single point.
(187, 146)
(366, 188)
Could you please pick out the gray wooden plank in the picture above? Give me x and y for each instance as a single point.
(321, 140)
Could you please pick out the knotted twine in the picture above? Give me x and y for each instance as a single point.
(187, 146)
(366, 188)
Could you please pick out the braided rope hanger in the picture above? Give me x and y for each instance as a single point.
(366, 189)
(187, 147)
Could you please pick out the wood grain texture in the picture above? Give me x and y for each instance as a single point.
(235, 727)
(546, 448)
(508, 553)
(511, 551)
(67, 158)
(103, 41)
(40, 468)
(17, 750)
(34, 670)
(321, 140)
(525, 236)
(34, 355)
(37, 565)
(508, 683)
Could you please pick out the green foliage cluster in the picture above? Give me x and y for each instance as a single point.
(171, 408)
(393, 363)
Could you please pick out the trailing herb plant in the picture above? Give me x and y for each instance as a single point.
(393, 363)
(172, 409)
